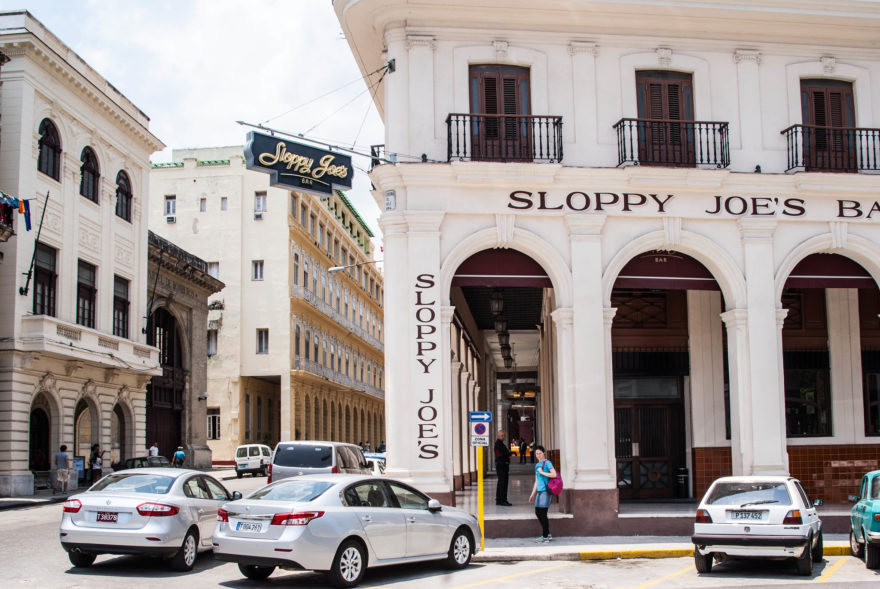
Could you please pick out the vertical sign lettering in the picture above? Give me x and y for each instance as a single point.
(426, 357)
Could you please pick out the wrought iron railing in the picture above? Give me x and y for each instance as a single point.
(666, 142)
(504, 138)
(832, 149)
(329, 373)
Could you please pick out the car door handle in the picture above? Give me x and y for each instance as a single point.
(411, 520)
(367, 518)
(201, 511)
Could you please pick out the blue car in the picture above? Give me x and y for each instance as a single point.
(864, 533)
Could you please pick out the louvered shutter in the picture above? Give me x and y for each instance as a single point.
(828, 113)
(499, 90)
(667, 97)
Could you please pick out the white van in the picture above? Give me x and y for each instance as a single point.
(252, 458)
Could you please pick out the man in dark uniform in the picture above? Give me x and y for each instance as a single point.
(502, 469)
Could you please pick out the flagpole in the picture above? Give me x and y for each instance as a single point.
(24, 290)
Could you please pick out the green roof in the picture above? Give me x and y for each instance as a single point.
(354, 212)
(212, 163)
(168, 165)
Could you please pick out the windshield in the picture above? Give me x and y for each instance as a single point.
(155, 484)
(751, 493)
(296, 490)
(304, 456)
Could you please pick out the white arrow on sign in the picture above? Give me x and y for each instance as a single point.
(480, 417)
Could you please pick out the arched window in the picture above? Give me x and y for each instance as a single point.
(90, 175)
(49, 160)
(123, 196)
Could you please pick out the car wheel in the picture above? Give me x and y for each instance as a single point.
(186, 556)
(856, 547)
(703, 562)
(254, 572)
(81, 559)
(349, 565)
(460, 550)
(805, 561)
(819, 549)
(872, 556)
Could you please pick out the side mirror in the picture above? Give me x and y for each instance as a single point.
(434, 505)
(853, 498)
(236, 495)
(818, 502)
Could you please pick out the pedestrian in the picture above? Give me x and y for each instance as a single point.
(522, 450)
(96, 462)
(381, 447)
(532, 450)
(178, 458)
(154, 449)
(502, 470)
(62, 470)
(544, 471)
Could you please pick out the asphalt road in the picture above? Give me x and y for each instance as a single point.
(31, 556)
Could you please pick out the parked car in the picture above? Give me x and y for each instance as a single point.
(864, 531)
(306, 457)
(165, 512)
(341, 524)
(143, 462)
(377, 466)
(757, 516)
(252, 458)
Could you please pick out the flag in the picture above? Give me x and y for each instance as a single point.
(25, 207)
(21, 206)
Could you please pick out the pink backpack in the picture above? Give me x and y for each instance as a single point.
(554, 485)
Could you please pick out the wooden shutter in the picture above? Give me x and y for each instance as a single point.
(827, 105)
(667, 97)
(497, 91)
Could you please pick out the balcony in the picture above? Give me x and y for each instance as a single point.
(686, 144)
(319, 369)
(504, 138)
(811, 148)
(330, 311)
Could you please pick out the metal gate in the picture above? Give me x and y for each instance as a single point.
(649, 448)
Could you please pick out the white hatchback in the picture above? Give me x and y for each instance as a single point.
(252, 458)
(757, 516)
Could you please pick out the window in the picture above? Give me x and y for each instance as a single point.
(214, 270)
(305, 275)
(212, 342)
(85, 294)
(332, 356)
(666, 97)
(807, 378)
(324, 353)
(293, 205)
(257, 270)
(312, 219)
(317, 344)
(49, 159)
(303, 214)
(295, 269)
(247, 416)
(827, 107)
(320, 233)
(213, 423)
(170, 204)
(120, 306)
(44, 280)
(89, 185)
(323, 287)
(260, 202)
(262, 341)
(308, 337)
(336, 249)
(224, 204)
(203, 204)
(296, 342)
(123, 196)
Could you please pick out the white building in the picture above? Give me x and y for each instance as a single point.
(74, 363)
(294, 351)
(677, 203)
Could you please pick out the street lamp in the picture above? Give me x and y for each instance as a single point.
(503, 338)
(496, 302)
(500, 324)
(336, 269)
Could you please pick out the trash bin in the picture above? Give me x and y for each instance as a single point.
(682, 485)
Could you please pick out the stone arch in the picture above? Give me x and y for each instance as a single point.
(183, 327)
(722, 267)
(43, 421)
(858, 249)
(86, 423)
(523, 241)
(123, 409)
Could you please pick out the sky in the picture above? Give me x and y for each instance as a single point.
(197, 66)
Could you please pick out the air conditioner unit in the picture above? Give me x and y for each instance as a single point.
(258, 216)
(171, 219)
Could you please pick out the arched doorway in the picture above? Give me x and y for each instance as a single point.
(118, 436)
(85, 429)
(40, 451)
(165, 392)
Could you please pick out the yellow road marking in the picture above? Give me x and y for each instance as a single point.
(826, 574)
(666, 578)
(513, 576)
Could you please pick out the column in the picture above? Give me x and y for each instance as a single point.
(458, 436)
(706, 355)
(448, 409)
(845, 351)
(749, 86)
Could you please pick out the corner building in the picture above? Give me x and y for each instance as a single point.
(294, 352)
(645, 234)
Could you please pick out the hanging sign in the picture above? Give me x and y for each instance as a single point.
(297, 166)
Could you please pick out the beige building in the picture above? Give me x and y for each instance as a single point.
(74, 360)
(294, 351)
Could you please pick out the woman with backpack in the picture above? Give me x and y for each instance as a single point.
(544, 471)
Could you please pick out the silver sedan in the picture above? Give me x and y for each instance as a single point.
(341, 524)
(166, 512)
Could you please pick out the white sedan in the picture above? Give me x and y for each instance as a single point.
(757, 516)
(341, 524)
(166, 512)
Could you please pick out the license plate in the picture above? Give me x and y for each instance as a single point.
(750, 515)
(249, 527)
(242, 466)
(107, 516)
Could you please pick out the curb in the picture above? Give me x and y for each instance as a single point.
(833, 549)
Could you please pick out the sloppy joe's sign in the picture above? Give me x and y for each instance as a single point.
(297, 166)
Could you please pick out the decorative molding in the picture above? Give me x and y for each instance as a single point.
(746, 55)
(671, 231)
(664, 56)
(90, 239)
(757, 230)
(588, 47)
(829, 63)
(585, 224)
(608, 314)
(501, 48)
(839, 234)
(563, 317)
(421, 41)
(47, 383)
(505, 225)
(781, 314)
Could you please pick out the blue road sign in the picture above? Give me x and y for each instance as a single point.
(480, 416)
